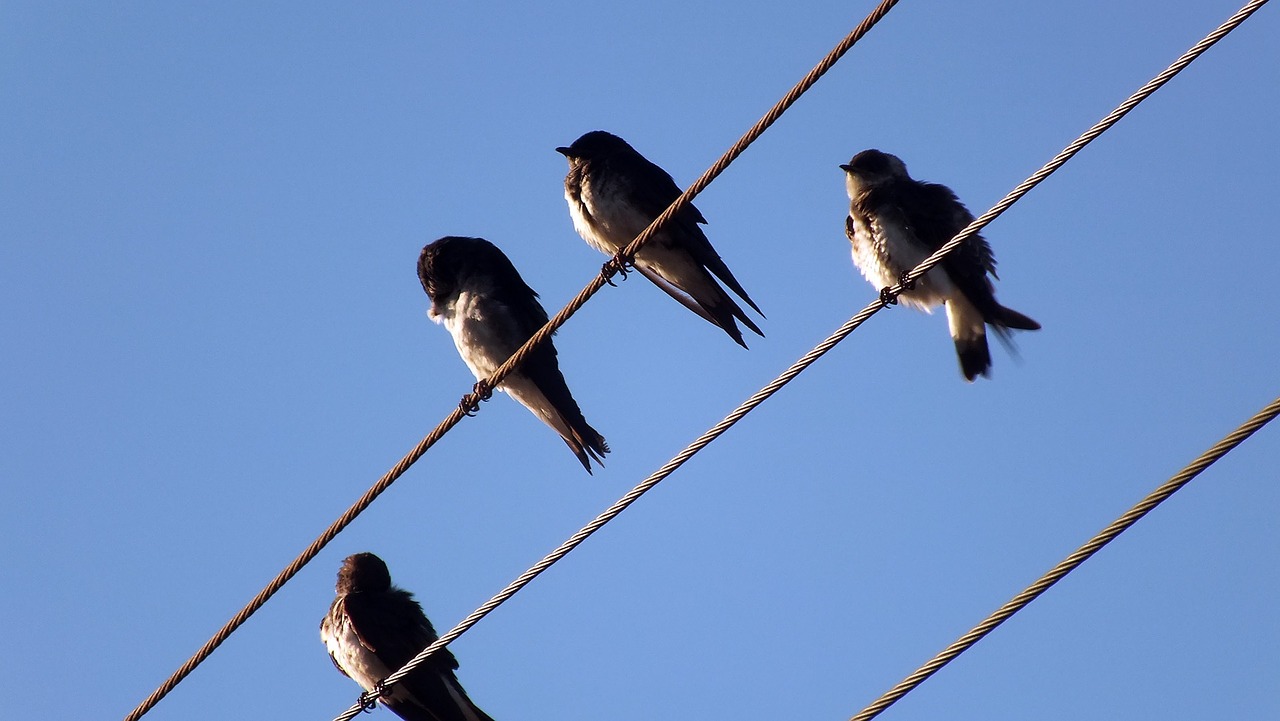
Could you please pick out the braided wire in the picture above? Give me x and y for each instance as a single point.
(621, 504)
(813, 355)
(1087, 137)
(1082, 554)
(471, 401)
(624, 257)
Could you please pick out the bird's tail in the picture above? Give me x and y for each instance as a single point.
(585, 442)
(548, 398)
(968, 327)
(724, 311)
(1009, 318)
(968, 330)
(712, 303)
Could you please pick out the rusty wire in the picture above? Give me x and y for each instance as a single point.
(887, 296)
(1069, 564)
(470, 402)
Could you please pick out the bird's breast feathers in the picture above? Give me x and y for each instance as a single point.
(362, 665)
(884, 249)
(605, 217)
(482, 330)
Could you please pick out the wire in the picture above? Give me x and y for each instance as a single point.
(470, 403)
(1070, 563)
(1087, 137)
(804, 362)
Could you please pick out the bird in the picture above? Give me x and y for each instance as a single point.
(614, 193)
(374, 628)
(480, 298)
(896, 222)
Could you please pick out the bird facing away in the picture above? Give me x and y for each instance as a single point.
(895, 222)
(614, 193)
(477, 294)
(373, 629)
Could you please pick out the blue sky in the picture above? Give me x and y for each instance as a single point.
(216, 342)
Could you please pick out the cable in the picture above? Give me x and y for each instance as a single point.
(470, 403)
(1089, 135)
(1069, 564)
(367, 699)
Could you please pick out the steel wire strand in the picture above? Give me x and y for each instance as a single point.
(623, 258)
(367, 699)
(1070, 563)
(1087, 137)
(471, 401)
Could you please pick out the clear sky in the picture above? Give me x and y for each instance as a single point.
(214, 342)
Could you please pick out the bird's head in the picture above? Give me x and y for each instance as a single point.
(870, 168)
(594, 144)
(433, 269)
(445, 263)
(363, 572)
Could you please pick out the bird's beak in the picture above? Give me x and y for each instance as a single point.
(563, 151)
(847, 168)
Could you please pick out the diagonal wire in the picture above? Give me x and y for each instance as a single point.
(471, 401)
(1089, 135)
(367, 700)
(624, 257)
(1069, 564)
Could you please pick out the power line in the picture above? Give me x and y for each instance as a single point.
(888, 295)
(1070, 563)
(470, 402)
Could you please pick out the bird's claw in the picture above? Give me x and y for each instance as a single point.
(615, 266)
(369, 699)
(470, 403)
(906, 281)
(887, 297)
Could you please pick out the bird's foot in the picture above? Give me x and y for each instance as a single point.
(615, 266)
(906, 281)
(369, 699)
(470, 403)
(887, 297)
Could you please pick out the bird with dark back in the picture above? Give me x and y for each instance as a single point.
(479, 297)
(895, 222)
(614, 193)
(374, 628)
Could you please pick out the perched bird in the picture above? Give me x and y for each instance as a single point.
(478, 295)
(373, 629)
(895, 223)
(614, 193)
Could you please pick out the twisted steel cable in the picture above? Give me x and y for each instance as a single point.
(1087, 137)
(1070, 563)
(470, 402)
(367, 700)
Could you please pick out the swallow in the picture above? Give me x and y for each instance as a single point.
(374, 628)
(895, 222)
(614, 193)
(480, 298)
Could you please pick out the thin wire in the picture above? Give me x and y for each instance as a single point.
(1082, 554)
(618, 507)
(624, 257)
(1089, 135)
(799, 366)
(471, 402)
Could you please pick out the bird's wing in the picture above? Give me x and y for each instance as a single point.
(393, 627)
(936, 215)
(330, 629)
(653, 191)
